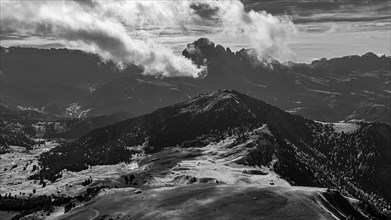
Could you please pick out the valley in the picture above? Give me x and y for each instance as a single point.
(195, 109)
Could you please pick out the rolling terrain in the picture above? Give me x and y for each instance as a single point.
(176, 183)
(226, 139)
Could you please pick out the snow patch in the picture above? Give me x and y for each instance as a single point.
(345, 127)
(369, 92)
(325, 92)
(263, 129)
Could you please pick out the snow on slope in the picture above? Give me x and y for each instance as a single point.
(346, 127)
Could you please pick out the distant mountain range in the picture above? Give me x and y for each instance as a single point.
(352, 87)
(351, 157)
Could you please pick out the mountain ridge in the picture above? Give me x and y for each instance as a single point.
(308, 153)
(325, 90)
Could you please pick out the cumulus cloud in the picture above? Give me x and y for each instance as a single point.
(267, 33)
(90, 28)
(124, 31)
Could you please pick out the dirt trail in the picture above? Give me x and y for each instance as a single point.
(97, 213)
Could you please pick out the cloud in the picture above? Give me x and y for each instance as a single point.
(125, 31)
(321, 15)
(267, 33)
(88, 28)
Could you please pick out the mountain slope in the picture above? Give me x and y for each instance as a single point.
(351, 157)
(11, 136)
(215, 111)
(219, 201)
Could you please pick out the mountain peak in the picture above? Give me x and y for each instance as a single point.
(199, 51)
(216, 101)
(370, 54)
(222, 94)
(217, 111)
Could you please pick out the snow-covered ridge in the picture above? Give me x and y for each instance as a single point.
(209, 101)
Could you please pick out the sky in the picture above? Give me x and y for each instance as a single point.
(154, 33)
(334, 27)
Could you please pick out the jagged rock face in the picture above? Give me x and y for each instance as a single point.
(222, 66)
(203, 52)
(199, 51)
